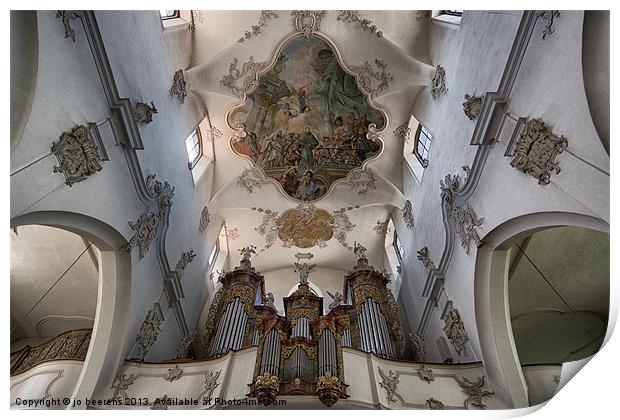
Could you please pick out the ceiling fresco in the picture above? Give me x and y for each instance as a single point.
(306, 122)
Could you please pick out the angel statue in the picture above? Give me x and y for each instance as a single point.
(337, 297)
(359, 250)
(304, 269)
(247, 252)
(268, 300)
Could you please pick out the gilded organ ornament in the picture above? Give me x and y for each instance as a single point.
(77, 155)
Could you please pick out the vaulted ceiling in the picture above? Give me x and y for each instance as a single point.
(391, 65)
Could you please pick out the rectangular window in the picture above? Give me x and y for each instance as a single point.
(169, 14)
(193, 145)
(398, 247)
(422, 145)
(453, 12)
(214, 253)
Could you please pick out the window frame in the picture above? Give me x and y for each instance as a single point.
(175, 15)
(423, 161)
(452, 13)
(397, 247)
(193, 163)
(215, 252)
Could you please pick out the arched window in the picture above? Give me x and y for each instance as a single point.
(169, 14)
(193, 145)
(422, 145)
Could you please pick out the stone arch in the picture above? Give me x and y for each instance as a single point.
(106, 350)
(497, 344)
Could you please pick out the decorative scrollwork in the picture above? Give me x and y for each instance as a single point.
(143, 113)
(179, 85)
(536, 151)
(145, 230)
(361, 180)
(425, 374)
(287, 351)
(352, 16)
(438, 84)
(122, 384)
(408, 214)
(307, 21)
(474, 391)
(241, 82)
(149, 330)
(472, 106)
(549, 16)
(434, 404)
(403, 132)
(77, 155)
(389, 383)
(251, 178)
(454, 329)
(205, 219)
(161, 193)
(373, 81)
(265, 16)
(426, 259)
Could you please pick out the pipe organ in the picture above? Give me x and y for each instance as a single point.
(300, 352)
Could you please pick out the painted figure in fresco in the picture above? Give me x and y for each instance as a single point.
(336, 88)
(306, 120)
(308, 187)
(309, 143)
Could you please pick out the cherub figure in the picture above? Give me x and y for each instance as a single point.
(337, 297)
(247, 252)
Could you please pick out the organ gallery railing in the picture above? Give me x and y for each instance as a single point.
(70, 345)
(300, 353)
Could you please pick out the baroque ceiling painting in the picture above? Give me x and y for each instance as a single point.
(306, 122)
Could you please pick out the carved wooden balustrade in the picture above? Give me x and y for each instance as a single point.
(70, 345)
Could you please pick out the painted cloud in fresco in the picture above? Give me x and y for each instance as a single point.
(306, 121)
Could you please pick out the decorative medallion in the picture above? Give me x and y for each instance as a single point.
(232, 234)
(438, 84)
(160, 192)
(426, 374)
(149, 330)
(382, 228)
(549, 16)
(242, 82)
(434, 404)
(536, 151)
(403, 132)
(185, 343)
(419, 346)
(472, 106)
(174, 374)
(210, 384)
(77, 155)
(303, 121)
(143, 113)
(265, 16)
(304, 226)
(307, 21)
(361, 180)
(426, 259)
(251, 178)
(408, 214)
(121, 385)
(352, 16)
(205, 219)
(145, 230)
(178, 88)
(454, 329)
(67, 16)
(474, 391)
(186, 258)
(389, 383)
(373, 81)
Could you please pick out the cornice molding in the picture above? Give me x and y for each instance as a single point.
(127, 134)
(488, 126)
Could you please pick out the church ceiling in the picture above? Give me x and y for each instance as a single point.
(308, 104)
